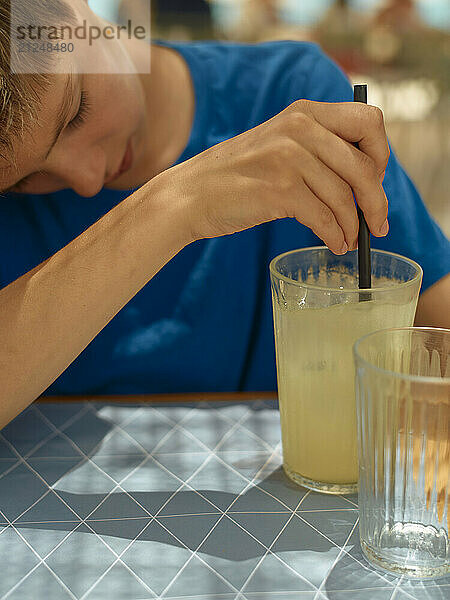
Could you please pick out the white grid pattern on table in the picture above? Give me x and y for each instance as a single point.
(118, 486)
(239, 593)
(81, 520)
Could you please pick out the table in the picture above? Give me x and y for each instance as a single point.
(181, 497)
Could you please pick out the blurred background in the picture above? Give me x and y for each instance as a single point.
(401, 48)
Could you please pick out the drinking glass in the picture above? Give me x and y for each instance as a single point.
(403, 413)
(318, 314)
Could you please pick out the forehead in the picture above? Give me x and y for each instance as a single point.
(29, 149)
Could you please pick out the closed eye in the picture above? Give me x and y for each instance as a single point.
(83, 111)
(77, 121)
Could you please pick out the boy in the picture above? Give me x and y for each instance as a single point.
(221, 137)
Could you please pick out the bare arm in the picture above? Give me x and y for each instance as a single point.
(50, 314)
(301, 163)
(433, 308)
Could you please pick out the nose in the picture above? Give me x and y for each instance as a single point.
(82, 172)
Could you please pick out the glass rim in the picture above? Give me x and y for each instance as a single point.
(321, 288)
(416, 378)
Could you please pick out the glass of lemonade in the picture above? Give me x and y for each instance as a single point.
(319, 313)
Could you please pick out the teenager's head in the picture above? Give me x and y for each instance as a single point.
(96, 115)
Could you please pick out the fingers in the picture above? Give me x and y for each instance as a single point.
(354, 122)
(353, 166)
(309, 210)
(335, 193)
(360, 173)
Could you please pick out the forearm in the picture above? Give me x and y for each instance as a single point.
(433, 308)
(50, 314)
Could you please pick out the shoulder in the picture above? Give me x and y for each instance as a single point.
(293, 69)
(316, 76)
(217, 48)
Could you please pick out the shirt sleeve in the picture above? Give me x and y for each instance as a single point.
(413, 232)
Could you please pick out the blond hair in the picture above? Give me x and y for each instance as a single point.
(20, 93)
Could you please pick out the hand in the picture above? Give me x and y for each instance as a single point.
(302, 163)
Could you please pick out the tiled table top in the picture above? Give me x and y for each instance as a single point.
(106, 501)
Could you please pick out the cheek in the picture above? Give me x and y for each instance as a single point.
(126, 105)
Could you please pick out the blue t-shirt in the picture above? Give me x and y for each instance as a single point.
(204, 322)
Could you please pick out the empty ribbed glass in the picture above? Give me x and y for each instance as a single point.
(403, 415)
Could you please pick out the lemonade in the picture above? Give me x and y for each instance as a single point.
(316, 384)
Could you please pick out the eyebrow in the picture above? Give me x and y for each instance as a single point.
(61, 118)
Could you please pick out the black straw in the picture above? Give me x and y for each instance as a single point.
(364, 267)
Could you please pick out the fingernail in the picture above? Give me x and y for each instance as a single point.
(384, 228)
(343, 248)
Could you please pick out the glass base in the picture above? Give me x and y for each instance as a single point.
(379, 561)
(320, 486)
